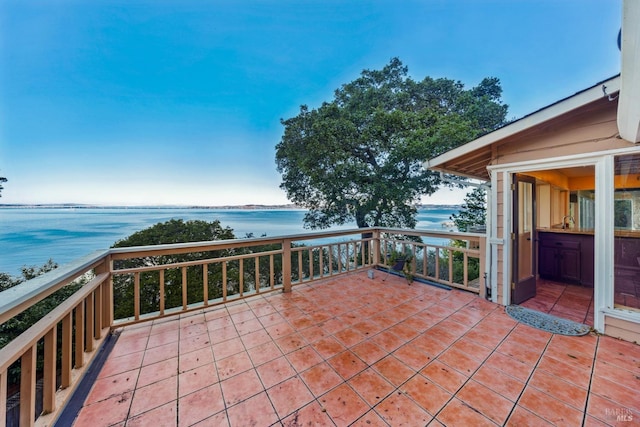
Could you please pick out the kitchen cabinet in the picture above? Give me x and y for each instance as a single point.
(566, 257)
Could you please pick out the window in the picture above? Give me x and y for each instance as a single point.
(627, 232)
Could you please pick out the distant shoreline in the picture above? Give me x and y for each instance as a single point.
(243, 207)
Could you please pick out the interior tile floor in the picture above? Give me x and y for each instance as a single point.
(358, 351)
(563, 300)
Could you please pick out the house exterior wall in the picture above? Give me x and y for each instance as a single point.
(586, 136)
(623, 329)
(590, 132)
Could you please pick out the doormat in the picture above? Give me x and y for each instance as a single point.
(547, 322)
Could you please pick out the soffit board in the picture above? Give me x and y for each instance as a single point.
(472, 158)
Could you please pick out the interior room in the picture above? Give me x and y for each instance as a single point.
(564, 204)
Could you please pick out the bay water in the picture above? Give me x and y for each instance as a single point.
(32, 236)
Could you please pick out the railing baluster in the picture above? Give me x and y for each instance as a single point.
(224, 280)
(321, 261)
(67, 351)
(241, 276)
(3, 396)
(184, 287)
(286, 265)
(108, 302)
(465, 277)
(272, 271)
(310, 264)
(330, 260)
(79, 335)
(205, 284)
(300, 272)
(425, 260)
(162, 292)
(347, 258)
(89, 319)
(98, 325)
(257, 280)
(49, 380)
(136, 295)
(450, 266)
(100, 292)
(28, 386)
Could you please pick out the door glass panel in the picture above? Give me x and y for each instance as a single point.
(627, 232)
(525, 229)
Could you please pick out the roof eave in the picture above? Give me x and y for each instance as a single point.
(559, 108)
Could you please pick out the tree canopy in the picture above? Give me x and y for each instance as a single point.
(172, 231)
(359, 157)
(2, 180)
(177, 231)
(473, 211)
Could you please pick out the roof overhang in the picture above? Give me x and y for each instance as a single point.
(629, 102)
(471, 159)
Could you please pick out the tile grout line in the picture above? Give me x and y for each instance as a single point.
(371, 407)
(593, 371)
(178, 375)
(135, 387)
(397, 388)
(526, 383)
(453, 395)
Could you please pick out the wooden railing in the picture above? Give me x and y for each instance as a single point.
(128, 285)
(457, 261)
(83, 321)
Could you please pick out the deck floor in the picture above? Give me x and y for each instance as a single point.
(358, 351)
(572, 302)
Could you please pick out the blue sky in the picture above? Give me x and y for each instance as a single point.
(179, 102)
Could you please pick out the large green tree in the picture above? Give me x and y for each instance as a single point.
(359, 157)
(473, 211)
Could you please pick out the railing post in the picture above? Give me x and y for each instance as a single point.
(67, 349)
(79, 335)
(286, 265)
(104, 299)
(108, 297)
(49, 388)
(89, 322)
(482, 267)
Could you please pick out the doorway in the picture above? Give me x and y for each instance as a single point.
(552, 241)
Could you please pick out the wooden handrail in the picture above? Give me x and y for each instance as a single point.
(32, 335)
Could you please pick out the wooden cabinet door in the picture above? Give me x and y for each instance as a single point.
(569, 263)
(547, 262)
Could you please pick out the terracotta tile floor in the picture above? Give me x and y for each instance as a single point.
(563, 300)
(359, 351)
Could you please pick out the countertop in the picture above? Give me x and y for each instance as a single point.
(589, 231)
